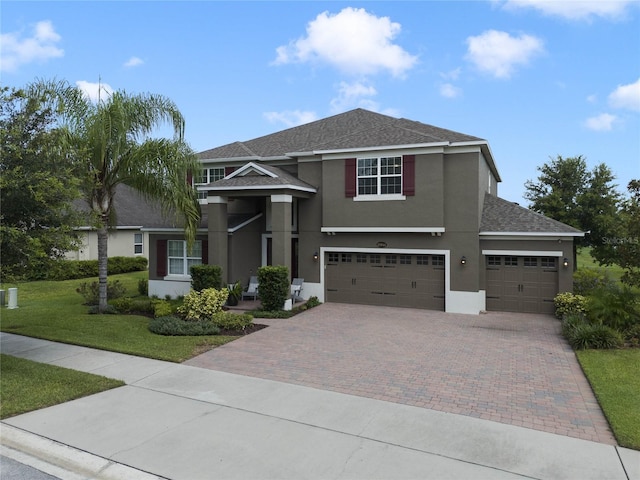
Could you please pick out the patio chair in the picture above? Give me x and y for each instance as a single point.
(252, 290)
(296, 289)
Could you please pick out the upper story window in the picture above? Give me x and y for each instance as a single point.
(181, 260)
(380, 176)
(208, 175)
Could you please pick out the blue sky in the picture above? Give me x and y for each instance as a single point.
(536, 78)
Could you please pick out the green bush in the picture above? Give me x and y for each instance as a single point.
(312, 302)
(569, 304)
(72, 269)
(204, 304)
(175, 326)
(570, 322)
(143, 286)
(584, 336)
(632, 335)
(141, 306)
(91, 294)
(206, 276)
(231, 321)
(161, 308)
(274, 287)
(586, 280)
(615, 307)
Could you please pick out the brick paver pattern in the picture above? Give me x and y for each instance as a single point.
(505, 367)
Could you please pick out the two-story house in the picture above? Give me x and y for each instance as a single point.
(371, 209)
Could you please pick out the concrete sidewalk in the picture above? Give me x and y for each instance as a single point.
(183, 422)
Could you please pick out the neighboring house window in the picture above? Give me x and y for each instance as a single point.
(380, 178)
(137, 244)
(179, 259)
(208, 175)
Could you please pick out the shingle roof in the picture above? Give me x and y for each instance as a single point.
(280, 178)
(354, 129)
(502, 216)
(133, 210)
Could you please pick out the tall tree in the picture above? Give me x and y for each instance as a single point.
(587, 200)
(111, 143)
(37, 188)
(627, 246)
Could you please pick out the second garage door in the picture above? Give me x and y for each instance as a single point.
(522, 284)
(398, 280)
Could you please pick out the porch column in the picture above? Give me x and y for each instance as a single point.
(281, 230)
(218, 234)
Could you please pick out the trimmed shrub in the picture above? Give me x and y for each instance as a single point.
(161, 308)
(632, 335)
(586, 280)
(569, 304)
(206, 276)
(72, 269)
(133, 305)
(91, 294)
(143, 286)
(584, 336)
(175, 326)
(110, 310)
(231, 321)
(204, 304)
(274, 286)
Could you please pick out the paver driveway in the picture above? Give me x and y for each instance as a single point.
(506, 367)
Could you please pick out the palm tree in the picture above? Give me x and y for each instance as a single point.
(111, 143)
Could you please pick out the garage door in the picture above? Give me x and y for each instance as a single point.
(415, 281)
(521, 284)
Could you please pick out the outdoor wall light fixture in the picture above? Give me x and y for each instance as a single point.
(463, 260)
(565, 262)
(315, 257)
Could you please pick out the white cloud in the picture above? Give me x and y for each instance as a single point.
(40, 46)
(448, 90)
(498, 53)
(133, 62)
(592, 99)
(95, 91)
(353, 41)
(452, 74)
(291, 118)
(626, 96)
(574, 9)
(353, 95)
(601, 123)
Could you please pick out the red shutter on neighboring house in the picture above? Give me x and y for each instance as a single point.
(205, 252)
(409, 175)
(350, 177)
(189, 178)
(161, 258)
(229, 170)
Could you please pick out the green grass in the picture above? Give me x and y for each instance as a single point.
(54, 311)
(585, 260)
(614, 377)
(26, 385)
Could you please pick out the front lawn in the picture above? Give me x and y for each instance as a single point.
(26, 385)
(55, 311)
(615, 379)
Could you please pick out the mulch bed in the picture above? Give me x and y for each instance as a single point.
(254, 327)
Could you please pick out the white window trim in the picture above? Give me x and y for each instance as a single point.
(185, 260)
(376, 197)
(207, 178)
(141, 243)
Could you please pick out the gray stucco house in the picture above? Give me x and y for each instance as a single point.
(371, 209)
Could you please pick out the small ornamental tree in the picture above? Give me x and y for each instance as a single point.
(274, 287)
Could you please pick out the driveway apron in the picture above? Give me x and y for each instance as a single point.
(510, 368)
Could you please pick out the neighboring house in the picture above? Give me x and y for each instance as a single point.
(375, 210)
(127, 237)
